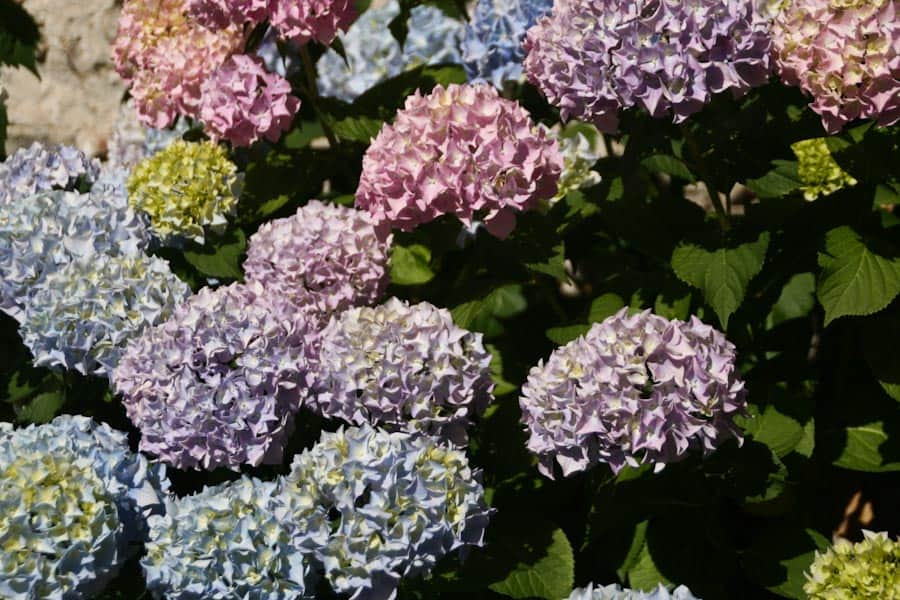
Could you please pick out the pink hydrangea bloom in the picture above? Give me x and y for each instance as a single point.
(845, 54)
(304, 20)
(165, 57)
(464, 151)
(218, 14)
(242, 102)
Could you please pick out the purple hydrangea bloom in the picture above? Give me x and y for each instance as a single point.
(634, 389)
(403, 367)
(492, 47)
(28, 171)
(324, 259)
(216, 385)
(594, 57)
(381, 506)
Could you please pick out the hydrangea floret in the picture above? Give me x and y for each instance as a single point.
(492, 47)
(324, 259)
(634, 389)
(460, 150)
(219, 14)
(616, 592)
(381, 506)
(216, 385)
(581, 146)
(404, 368)
(820, 173)
(82, 315)
(242, 102)
(845, 54)
(59, 528)
(373, 56)
(50, 229)
(74, 503)
(592, 58)
(867, 570)
(233, 540)
(165, 56)
(186, 189)
(34, 169)
(318, 20)
(131, 141)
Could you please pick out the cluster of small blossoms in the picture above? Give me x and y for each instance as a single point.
(165, 56)
(492, 48)
(382, 506)
(615, 592)
(81, 315)
(402, 367)
(843, 53)
(243, 102)
(228, 541)
(581, 147)
(634, 389)
(867, 570)
(216, 385)
(73, 506)
(28, 171)
(131, 141)
(820, 173)
(461, 150)
(299, 22)
(592, 58)
(373, 55)
(185, 189)
(53, 228)
(323, 260)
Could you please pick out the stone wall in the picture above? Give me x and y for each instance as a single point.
(77, 97)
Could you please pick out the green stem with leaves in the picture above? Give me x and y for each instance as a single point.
(311, 91)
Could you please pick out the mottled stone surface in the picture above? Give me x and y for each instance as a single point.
(77, 98)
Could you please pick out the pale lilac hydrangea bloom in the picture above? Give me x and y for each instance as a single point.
(492, 47)
(323, 260)
(233, 540)
(616, 592)
(461, 150)
(50, 229)
(242, 102)
(845, 54)
(82, 315)
(216, 385)
(381, 506)
(34, 169)
(592, 58)
(404, 368)
(634, 389)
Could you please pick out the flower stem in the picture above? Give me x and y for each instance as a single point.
(311, 90)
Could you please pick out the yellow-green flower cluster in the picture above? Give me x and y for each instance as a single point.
(186, 189)
(869, 570)
(819, 172)
(59, 528)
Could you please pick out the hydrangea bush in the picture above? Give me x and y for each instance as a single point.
(453, 300)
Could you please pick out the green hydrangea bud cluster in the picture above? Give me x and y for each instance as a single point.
(868, 570)
(820, 173)
(186, 189)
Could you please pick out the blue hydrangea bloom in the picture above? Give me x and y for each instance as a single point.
(374, 55)
(36, 169)
(616, 592)
(492, 47)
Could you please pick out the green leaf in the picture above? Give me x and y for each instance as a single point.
(356, 129)
(673, 308)
(567, 333)
(780, 432)
(855, 279)
(501, 385)
(42, 408)
(550, 575)
(880, 335)
(644, 575)
(219, 258)
(605, 306)
(466, 313)
(19, 36)
(797, 299)
(411, 265)
(863, 449)
(553, 266)
(506, 301)
(780, 555)
(722, 275)
(664, 163)
(780, 181)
